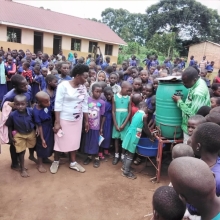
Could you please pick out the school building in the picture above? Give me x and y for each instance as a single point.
(27, 27)
(207, 48)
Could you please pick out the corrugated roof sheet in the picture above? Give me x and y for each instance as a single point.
(41, 19)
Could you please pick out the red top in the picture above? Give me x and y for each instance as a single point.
(134, 109)
(217, 79)
(28, 75)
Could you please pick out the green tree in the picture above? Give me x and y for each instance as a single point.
(129, 26)
(187, 18)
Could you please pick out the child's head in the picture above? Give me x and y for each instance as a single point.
(136, 99)
(213, 117)
(204, 110)
(216, 89)
(134, 73)
(54, 72)
(96, 90)
(155, 84)
(37, 69)
(51, 81)
(144, 76)
(20, 103)
(92, 79)
(125, 65)
(149, 90)
(44, 71)
(44, 57)
(92, 73)
(25, 66)
(114, 66)
(143, 106)
(193, 181)
(167, 204)
(113, 79)
(51, 66)
(206, 139)
(152, 69)
(126, 88)
(163, 73)
(43, 99)
(182, 150)
(108, 93)
(120, 76)
(137, 85)
(101, 76)
(98, 68)
(19, 83)
(109, 70)
(102, 84)
(203, 73)
(193, 122)
(33, 56)
(64, 69)
(92, 65)
(215, 101)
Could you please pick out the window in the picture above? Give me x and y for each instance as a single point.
(91, 44)
(13, 35)
(75, 44)
(108, 49)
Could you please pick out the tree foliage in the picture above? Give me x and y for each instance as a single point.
(129, 26)
(188, 18)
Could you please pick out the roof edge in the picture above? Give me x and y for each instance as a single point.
(54, 32)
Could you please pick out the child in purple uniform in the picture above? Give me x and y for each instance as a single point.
(96, 112)
(43, 120)
(106, 127)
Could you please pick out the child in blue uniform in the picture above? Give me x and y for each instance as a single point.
(64, 71)
(37, 83)
(106, 128)
(43, 120)
(96, 112)
(21, 123)
(133, 134)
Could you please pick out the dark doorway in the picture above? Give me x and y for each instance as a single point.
(38, 41)
(56, 44)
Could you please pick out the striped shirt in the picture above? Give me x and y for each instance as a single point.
(198, 96)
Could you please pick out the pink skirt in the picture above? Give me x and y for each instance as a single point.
(70, 141)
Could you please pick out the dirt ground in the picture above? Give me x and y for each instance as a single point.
(96, 194)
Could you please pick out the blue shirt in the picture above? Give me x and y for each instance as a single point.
(22, 123)
(209, 68)
(168, 64)
(65, 78)
(217, 217)
(44, 64)
(52, 98)
(104, 65)
(192, 62)
(11, 94)
(133, 63)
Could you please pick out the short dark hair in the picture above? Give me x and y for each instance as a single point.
(46, 55)
(167, 204)
(108, 89)
(49, 78)
(16, 80)
(207, 134)
(198, 118)
(217, 99)
(79, 69)
(213, 117)
(182, 150)
(96, 85)
(204, 110)
(191, 73)
(215, 86)
(26, 64)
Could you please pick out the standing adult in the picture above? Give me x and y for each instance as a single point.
(198, 96)
(71, 106)
(203, 64)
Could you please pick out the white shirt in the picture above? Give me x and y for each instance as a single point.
(71, 102)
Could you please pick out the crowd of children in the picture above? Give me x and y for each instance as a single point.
(42, 95)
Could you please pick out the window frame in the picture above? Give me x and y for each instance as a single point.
(75, 42)
(90, 46)
(108, 51)
(14, 30)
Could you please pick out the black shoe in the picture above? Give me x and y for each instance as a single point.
(96, 163)
(131, 169)
(87, 161)
(115, 160)
(47, 160)
(129, 175)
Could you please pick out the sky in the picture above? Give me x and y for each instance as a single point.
(93, 9)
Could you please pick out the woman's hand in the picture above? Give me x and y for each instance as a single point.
(44, 144)
(56, 127)
(86, 126)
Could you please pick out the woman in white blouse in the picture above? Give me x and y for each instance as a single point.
(70, 109)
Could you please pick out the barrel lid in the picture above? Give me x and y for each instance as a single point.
(170, 79)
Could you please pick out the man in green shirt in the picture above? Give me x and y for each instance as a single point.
(198, 96)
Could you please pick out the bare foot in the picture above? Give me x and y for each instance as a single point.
(41, 169)
(33, 159)
(24, 173)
